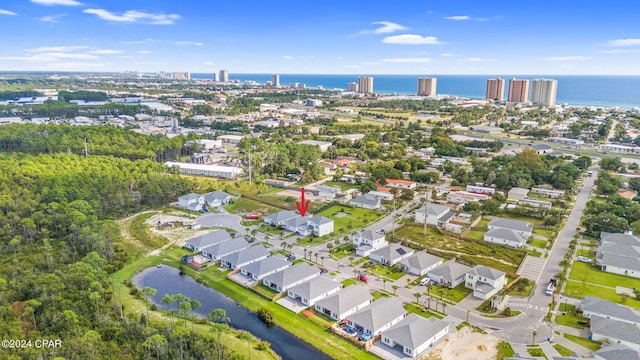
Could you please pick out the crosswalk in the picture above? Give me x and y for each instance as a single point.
(515, 305)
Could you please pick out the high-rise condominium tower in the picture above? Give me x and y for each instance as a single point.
(495, 89)
(427, 86)
(224, 76)
(518, 90)
(275, 80)
(365, 84)
(543, 91)
(352, 86)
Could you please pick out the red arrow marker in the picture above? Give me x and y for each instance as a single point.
(302, 206)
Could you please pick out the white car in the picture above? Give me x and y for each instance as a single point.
(584, 259)
(425, 281)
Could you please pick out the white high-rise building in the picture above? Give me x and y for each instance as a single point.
(275, 80)
(352, 86)
(224, 76)
(365, 84)
(427, 86)
(543, 91)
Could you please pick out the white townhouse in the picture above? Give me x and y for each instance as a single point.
(485, 281)
(347, 301)
(367, 241)
(437, 215)
(291, 276)
(415, 334)
(508, 232)
(377, 316)
(313, 290)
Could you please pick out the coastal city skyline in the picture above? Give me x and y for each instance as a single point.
(409, 38)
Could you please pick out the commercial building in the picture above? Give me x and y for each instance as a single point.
(518, 90)
(275, 80)
(566, 141)
(365, 84)
(543, 92)
(353, 86)
(224, 76)
(222, 171)
(427, 86)
(495, 89)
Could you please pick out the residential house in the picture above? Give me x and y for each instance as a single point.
(216, 251)
(347, 301)
(614, 331)
(616, 352)
(420, 263)
(480, 189)
(391, 254)
(541, 149)
(298, 224)
(550, 193)
(593, 306)
(401, 184)
(366, 201)
(193, 202)
(463, 197)
(322, 145)
(517, 193)
(291, 276)
(535, 203)
(485, 281)
(280, 218)
(313, 290)
(217, 198)
(383, 195)
(619, 254)
(449, 274)
(377, 316)
(244, 257)
(265, 267)
(508, 232)
(320, 225)
(415, 334)
(329, 188)
(437, 215)
(367, 241)
(200, 242)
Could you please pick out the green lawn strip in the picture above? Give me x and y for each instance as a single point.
(476, 252)
(542, 244)
(483, 223)
(243, 206)
(523, 218)
(342, 251)
(379, 294)
(421, 310)
(584, 271)
(578, 289)
(543, 232)
(571, 318)
(346, 218)
(476, 234)
(533, 252)
(140, 231)
(265, 291)
(589, 344)
(536, 351)
(316, 335)
(504, 350)
(342, 185)
(385, 271)
(562, 350)
(523, 292)
(453, 295)
(348, 282)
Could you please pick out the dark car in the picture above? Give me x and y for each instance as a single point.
(323, 271)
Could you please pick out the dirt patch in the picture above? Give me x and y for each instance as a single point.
(466, 345)
(171, 228)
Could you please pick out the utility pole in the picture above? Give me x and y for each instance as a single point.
(250, 147)
(393, 226)
(86, 149)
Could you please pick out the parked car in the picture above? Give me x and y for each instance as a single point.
(584, 259)
(363, 278)
(291, 257)
(425, 281)
(323, 271)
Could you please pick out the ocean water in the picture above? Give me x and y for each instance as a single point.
(603, 91)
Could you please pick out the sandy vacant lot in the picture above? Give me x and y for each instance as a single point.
(466, 345)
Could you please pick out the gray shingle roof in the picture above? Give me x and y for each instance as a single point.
(209, 239)
(191, 196)
(245, 255)
(315, 287)
(215, 195)
(421, 260)
(297, 221)
(392, 252)
(266, 265)
(280, 216)
(607, 308)
(506, 234)
(487, 272)
(620, 239)
(378, 313)
(292, 274)
(521, 191)
(226, 247)
(346, 299)
(320, 220)
(615, 330)
(367, 199)
(621, 261)
(415, 330)
(618, 352)
(369, 235)
(450, 271)
(516, 225)
(432, 209)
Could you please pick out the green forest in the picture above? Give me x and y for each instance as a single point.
(59, 244)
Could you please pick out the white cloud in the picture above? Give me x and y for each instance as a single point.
(136, 42)
(387, 27)
(57, 2)
(372, 63)
(57, 48)
(106, 52)
(476, 59)
(407, 60)
(449, 54)
(144, 52)
(49, 57)
(287, 57)
(411, 39)
(458, 17)
(353, 66)
(624, 42)
(209, 63)
(566, 58)
(194, 43)
(7, 12)
(51, 18)
(134, 16)
(620, 51)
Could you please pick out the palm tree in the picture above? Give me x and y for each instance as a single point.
(147, 292)
(444, 305)
(395, 287)
(316, 255)
(428, 303)
(418, 296)
(351, 258)
(169, 299)
(384, 284)
(245, 335)
(322, 260)
(194, 304)
(219, 319)
(534, 333)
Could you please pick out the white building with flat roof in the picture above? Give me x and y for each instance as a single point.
(221, 171)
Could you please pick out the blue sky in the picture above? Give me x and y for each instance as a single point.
(324, 37)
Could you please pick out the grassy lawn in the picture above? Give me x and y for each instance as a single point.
(571, 318)
(536, 351)
(483, 223)
(342, 185)
(533, 252)
(348, 282)
(528, 219)
(504, 350)
(270, 229)
(496, 256)
(265, 291)
(455, 295)
(476, 234)
(285, 202)
(543, 232)
(562, 350)
(577, 289)
(244, 206)
(342, 251)
(385, 271)
(589, 344)
(315, 334)
(542, 244)
(346, 218)
(379, 294)
(420, 310)
(583, 271)
(523, 292)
